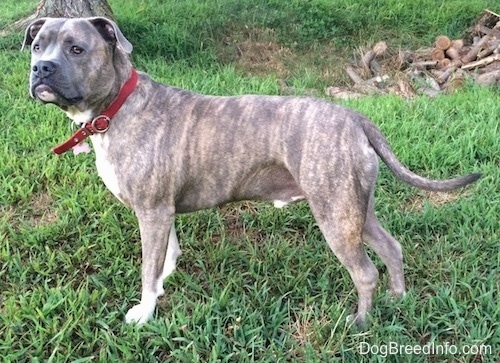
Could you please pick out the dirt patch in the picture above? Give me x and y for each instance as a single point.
(36, 213)
(259, 57)
(234, 222)
(437, 199)
(256, 51)
(42, 213)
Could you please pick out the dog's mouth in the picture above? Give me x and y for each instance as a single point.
(45, 93)
(48, 94)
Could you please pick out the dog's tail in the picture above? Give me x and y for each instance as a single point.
(384, 151)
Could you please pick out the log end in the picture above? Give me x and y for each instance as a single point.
(442, 42)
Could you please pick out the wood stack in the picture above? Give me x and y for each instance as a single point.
(477, 55)
(431, 71)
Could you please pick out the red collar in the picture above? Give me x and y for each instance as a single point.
(99, 124)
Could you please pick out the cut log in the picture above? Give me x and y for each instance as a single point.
(443, 77)
(442, 42)
(437, 54)
(452, 53)
(457, 44)
(482, 62)
(424, 64)
(475, 49)
(443, 63)
(375, 67)
(491, 47)
(377, 50)
(367, 59)
(355, 77)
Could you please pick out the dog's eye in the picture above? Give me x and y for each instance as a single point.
(76, 50)
(36, 48)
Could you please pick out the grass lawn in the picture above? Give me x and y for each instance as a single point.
(254, 283)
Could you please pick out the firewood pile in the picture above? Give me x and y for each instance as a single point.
(441, 68)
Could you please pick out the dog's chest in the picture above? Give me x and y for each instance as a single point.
(105, 168)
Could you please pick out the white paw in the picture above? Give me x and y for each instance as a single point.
(355, 319)
(140, 314)
(396, 294)
(350, 318)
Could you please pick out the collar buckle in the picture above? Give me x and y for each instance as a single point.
(100, 124)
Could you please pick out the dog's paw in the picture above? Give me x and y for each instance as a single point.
(357, 320)
(352, 319)
(396, 293)
(139, 314)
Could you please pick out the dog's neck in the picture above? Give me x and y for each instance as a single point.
(90, 125)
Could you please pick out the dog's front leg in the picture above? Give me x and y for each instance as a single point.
(158, 261)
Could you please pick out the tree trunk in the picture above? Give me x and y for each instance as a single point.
(74, 8)
(67, 9)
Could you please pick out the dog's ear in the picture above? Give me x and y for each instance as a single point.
(31, 31)
(111, 33)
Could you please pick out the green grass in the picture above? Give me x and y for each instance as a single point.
(255, 284)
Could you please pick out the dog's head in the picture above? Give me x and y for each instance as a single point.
(76, 62)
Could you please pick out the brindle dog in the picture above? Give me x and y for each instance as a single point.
(168, 151)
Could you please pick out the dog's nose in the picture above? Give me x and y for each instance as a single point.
(44, 69)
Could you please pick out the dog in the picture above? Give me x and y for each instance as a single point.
(162, 150)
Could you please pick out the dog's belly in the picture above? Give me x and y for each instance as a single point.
(271, 183)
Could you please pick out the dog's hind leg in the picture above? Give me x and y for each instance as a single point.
(387, 248)
(341, 225)
(155, 226)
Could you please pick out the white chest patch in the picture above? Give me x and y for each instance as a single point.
(105, 168)
(100, 142)
(78, 117)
